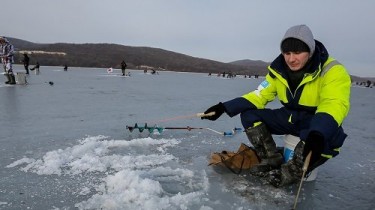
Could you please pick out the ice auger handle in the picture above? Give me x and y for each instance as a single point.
(205, 115)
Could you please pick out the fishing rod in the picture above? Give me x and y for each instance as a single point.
(160, 130)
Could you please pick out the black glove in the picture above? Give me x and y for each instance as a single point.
(314, 143)
(219, 109)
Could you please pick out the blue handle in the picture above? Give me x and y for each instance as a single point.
(228, 134)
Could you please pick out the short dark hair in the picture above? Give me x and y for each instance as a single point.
(294, 45)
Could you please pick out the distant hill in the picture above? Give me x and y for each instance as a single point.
(251, 63)
(111, 55)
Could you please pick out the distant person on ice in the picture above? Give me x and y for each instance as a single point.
(314, 90)
(66, 67)
(36, 68)
(26, 61)
(123, 67)
(6, 55)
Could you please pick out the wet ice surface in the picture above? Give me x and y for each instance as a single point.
(66, 147)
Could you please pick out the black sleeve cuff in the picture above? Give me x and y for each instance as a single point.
(235, 106)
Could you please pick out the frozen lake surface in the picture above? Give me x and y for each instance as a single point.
(65, 146)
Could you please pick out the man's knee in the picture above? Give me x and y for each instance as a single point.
(248, 119)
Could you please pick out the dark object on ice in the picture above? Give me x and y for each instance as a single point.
(37, 66)
(50, 82)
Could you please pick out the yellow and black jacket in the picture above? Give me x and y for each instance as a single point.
(324, 92)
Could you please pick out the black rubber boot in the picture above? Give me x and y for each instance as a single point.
(265, 146)
(291, 171)
(12, 79)
(8, 78)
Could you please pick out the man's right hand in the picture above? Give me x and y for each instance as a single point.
(219, 109)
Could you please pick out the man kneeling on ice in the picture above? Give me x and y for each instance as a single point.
(314, 90)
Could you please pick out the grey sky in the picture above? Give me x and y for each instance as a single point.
(220, 30)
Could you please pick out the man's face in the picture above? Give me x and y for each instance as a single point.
(296, 60)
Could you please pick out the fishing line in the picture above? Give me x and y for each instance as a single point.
(182, 117)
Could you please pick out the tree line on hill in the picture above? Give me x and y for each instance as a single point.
(111, 55)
